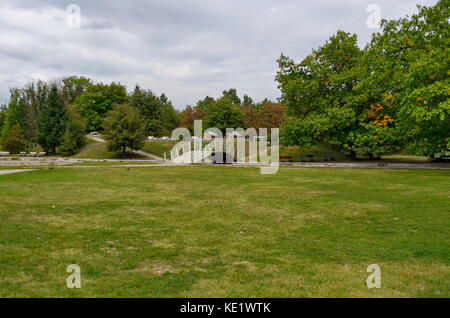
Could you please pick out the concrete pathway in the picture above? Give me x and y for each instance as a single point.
(95, 138)
(371, 165)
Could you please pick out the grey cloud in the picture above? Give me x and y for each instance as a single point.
(185, 48)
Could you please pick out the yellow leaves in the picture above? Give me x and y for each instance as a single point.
(422, 99)
(387, 100)
(410, 42)
(375, 108)
(386, 120)
(375, 114)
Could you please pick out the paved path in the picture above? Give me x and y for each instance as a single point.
(371, 165)
(95, 138)
(9, 171)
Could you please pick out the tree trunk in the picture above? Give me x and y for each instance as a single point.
(372, 157)
(123, 151)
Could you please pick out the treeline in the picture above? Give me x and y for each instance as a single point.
(391, 95)
(231, 111)
(57, 114)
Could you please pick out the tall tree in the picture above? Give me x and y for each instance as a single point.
(15, 140)
(247, 101)
(35, 94)
(52, 122)
(205, 104)
(97, 100)
(73, 137)
(233, 96)
(189, 115)
(149, 107)
(169, 118)
(124, 128)
(157, 111)
(225, 114)
(72, 87)
(271, 115)
(323, 105)
(267, 115)
(316, 92)
(2, 117)
(15, 113)
(420, 47)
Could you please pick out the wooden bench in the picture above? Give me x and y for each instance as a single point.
(4, 153)
(288, 158)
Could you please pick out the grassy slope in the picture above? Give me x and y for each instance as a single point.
(224, 231)
(158, 148)
(97, 150)
(319, 152)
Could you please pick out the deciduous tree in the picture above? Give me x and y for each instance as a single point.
(224, 114)
(15, 140)
(97, 101)
(124, 128)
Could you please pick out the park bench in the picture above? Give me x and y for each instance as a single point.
(4, 153)
(22, 154)
(288, 158)
(32, 154)
(42, 154)
(445, 157)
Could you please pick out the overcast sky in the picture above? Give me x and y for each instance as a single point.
(185, 48)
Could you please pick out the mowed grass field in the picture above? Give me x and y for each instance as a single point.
(205, 231)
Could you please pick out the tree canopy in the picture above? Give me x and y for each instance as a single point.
(392, 94)
(124, 128)
(52, 122)
(97, 101)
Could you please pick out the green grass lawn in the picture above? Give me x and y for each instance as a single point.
(205, 231)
